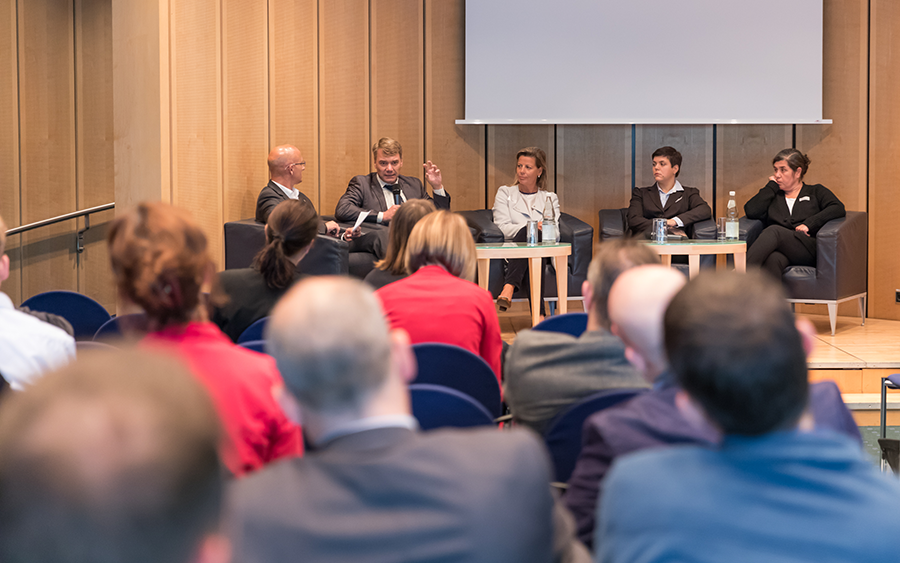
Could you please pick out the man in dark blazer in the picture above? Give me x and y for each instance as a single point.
(373, 488)
(286, 168)
(637, 303)
(667, 199)
(381, 192)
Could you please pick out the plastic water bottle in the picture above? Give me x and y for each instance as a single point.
(732, 227)
(550, 232)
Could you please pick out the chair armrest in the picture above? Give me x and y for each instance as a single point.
(613, 224)
(580, 235)
(705, 230)
(329, 256)
(482, 220)
(841, 256)
(749, 229)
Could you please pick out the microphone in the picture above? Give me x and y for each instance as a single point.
(396, 189)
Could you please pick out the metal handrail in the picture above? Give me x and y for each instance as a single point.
(60, 218)
(86, 213)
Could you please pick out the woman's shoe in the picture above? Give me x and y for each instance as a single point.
(503, 303)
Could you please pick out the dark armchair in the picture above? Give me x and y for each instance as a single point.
(572, 230)
(244, 238)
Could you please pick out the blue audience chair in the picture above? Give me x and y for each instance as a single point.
(84, 314)
(255, 345)
(436, 406)
(563, 434)
(254, 331)
(570, 323)
(457, 368)
(117, 326)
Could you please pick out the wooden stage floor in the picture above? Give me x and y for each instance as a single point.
(856, 357)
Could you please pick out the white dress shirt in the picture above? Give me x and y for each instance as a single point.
(29, 347)
(664, 197)
(292, 193)
(389, 196)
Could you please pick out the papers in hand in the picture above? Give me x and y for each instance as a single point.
(360, 219)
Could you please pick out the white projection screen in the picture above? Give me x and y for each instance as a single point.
(643, 61)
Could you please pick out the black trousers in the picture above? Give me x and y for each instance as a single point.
(778, 247)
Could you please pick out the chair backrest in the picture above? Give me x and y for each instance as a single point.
(254, 331)
(457, 368)
(120, 325)
(255, 345)
(436, 406)
(570, 323)
(563, 434)
(84, 314)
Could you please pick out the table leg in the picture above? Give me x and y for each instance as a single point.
(693, 265)
(740, 261)
(534, 270)
(561, 264)
(484, 268)
(721, 261)
(665, 259)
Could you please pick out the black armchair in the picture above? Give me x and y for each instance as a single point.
(244, 238)
(571, 229)
(841, 271)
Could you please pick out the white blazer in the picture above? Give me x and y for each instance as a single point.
(511, 211)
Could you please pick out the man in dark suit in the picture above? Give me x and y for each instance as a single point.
(286, 166)
(373, 488)
(637, 303)
(667, 199)
(381, 192)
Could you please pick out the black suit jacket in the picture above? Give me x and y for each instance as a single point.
(815, 206)
(645, 206)
(272, 195)
(365, 194)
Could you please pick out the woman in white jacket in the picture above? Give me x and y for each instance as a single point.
(515, 205)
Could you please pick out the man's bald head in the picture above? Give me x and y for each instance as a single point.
(331, 342)
(281, 157)
(637, 304)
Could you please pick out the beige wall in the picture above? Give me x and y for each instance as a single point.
(204, 88)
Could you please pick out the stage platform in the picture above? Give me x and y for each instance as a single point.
(856, 358)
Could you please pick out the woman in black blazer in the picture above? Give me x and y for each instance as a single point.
(793, 213)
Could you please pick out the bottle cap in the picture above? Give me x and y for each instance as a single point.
(731, 193)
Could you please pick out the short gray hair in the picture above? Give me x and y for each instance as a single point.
(331, 342)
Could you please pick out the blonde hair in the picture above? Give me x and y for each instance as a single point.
(442, 238)
(389, 146)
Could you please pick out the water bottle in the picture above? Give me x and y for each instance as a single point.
(732, 227)
(550, 232)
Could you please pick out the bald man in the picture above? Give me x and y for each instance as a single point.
(637, 303)
(286, 166)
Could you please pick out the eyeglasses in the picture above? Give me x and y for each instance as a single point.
(297, 164)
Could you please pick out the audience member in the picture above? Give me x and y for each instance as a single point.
(438, 302)
(252, 292)
(548, 371)
(160, 262)
(372, 488)
(667, 199)
(111, 459)
(776, 489)
(393, 266)
(637, 302)
(28, 346)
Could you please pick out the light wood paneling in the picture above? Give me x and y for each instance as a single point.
(293, 88)
(458, 150)
(47, 121)
(744, 160)
(245, 122)
(694, 142)
(197, 116)
(396, 49)
(593, 169)
(344, 97)
(847, 380)
(9, 142)
(884, 167)
(504, 141)
(94, 148)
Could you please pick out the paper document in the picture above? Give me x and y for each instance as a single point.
(360, 219)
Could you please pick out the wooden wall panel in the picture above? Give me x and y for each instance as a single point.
(94, 147)
(884, 167)
(47, 121)
(744, 160)
(504, 141)
(694, 142)
(245, 124)
(9, 143)
(396, 46)
(343, 97)
(293, 88)
(458, 150)
(197, 116)
(593, 169)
